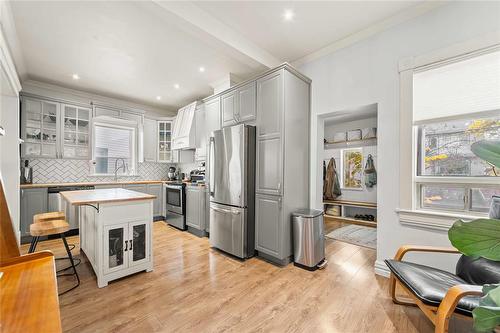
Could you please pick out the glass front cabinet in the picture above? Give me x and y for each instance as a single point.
(54, 130)
(126, 245)
(164, 141)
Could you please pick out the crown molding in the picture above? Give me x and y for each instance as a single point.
(59, 92)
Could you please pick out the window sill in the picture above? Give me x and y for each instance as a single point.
(430, 219)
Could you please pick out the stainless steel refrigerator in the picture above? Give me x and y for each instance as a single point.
(231, 179)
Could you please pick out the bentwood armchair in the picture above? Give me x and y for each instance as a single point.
(440, 294)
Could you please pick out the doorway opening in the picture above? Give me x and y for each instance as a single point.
(349, 175)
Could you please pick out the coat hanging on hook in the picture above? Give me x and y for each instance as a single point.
(370, 172)
(331, 184)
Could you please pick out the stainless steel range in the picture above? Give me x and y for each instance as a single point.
(175, 204)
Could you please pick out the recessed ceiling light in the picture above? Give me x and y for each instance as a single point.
(202, 69)
(177, 86)
(75, 77)
(158, 98)
(288, 15)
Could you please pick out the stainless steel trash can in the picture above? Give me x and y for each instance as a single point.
(308, 239)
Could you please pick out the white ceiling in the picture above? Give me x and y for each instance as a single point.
(120, 49)
(315, 25)
(137, 50)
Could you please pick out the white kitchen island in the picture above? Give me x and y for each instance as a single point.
(115, 231)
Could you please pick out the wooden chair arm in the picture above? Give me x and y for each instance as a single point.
(26, 257)
(421, 248)
(450, 301)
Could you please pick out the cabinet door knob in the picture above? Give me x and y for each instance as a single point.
(126, 245)
(130, 245)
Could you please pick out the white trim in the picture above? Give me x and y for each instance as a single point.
(374, 29)
(7, 64)
(381, 269)
(430, 219)
(469, 48)
(480, 181)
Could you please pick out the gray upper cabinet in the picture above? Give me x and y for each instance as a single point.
(195, 207)
(150, 140)
(212, 115)
(229, 106)
(270, 104)
(33, 201)
(269, 229)
(41, 128)
(246, 111)
(201, 136)
(55, 130)
(238, 106)
(75, 129)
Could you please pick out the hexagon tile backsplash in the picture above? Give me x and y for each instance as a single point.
(76, 171)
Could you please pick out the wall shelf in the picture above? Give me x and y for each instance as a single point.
(349, 219)
(354, 143)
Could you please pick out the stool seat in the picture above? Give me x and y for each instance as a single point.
(50, 227)
(49, 216)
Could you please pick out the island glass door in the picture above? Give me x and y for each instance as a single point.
(140, 243)
(115, 247)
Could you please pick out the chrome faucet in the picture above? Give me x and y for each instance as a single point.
(123, 166)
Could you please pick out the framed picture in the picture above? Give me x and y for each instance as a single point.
(352, 168)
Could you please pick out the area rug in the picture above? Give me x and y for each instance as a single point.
(357, 235)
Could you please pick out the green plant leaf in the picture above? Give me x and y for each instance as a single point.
(488, 151)
(480, 237)
(486, 318)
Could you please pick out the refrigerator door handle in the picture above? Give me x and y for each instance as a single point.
(211, 171)
(220, 210)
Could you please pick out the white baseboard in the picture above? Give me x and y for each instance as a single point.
(381, 269)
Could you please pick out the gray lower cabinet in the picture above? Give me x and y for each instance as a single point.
(157, 190)
(269, 235)
(33, 201)
(106, 186)
(143, 188)
(196, 209)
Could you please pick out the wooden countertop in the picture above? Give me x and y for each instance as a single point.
(28, 294)
(103, 196)
(40, 185)
(91, 183)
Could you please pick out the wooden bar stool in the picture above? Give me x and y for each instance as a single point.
(48, 224)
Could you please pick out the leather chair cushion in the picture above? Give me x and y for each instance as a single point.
(430, 284)
(478, 270)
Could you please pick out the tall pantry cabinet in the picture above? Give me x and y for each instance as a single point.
(282, 161)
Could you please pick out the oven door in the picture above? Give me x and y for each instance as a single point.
(173, 199)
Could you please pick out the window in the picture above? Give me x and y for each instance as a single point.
(114, 145)
(456, 104)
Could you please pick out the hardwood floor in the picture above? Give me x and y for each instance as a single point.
(195, 288)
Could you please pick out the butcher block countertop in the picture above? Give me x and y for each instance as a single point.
(103, 196)
(91, 183)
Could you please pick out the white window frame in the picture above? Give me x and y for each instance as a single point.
(410, 211)
(110, 122)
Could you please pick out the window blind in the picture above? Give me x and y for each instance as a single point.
(464, 87)
(110, 144)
